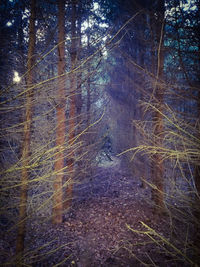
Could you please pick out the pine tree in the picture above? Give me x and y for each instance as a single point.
(27, 134)
(60, 117)
(158, 95)
(72, 107)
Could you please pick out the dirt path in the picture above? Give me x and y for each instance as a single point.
(94, 231)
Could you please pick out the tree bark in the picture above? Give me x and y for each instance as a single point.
(61, 119)
(27, 137)
(72, 108)
(158, 125)
(79, 97)
(88, 80)
(197, 177)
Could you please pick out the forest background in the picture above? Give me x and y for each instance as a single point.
(87, 82)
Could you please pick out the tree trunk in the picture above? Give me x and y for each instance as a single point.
(88, 81)
(158, 127)
(158, 168)
(61, 119)
(27, 136)
(72, 108)
(197, 179)
(79, 99)
(197, 167)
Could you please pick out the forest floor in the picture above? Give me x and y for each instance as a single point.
(95, 231)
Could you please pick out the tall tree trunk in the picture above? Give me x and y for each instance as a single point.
(197, 173)
(157, 164)
(27, 136)
(72, 108)
(197, 168)
(196, 212)
(61, 119)
(88, 79)
(79, 100)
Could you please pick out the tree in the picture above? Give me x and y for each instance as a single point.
(158, 95)
(61, 119)
(72, 107)
(27, 133)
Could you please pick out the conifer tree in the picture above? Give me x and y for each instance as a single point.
(72, 107)
(158, 95)
(60, 118)
(27, 134)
